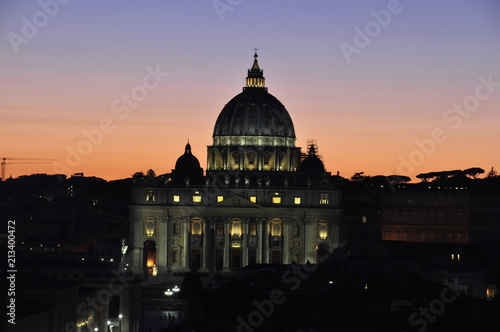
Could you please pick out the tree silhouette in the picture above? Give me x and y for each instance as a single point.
(473, 172)
(359, 177)
(492, 173)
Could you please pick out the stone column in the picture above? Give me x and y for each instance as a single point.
(265, 242)
(244, 239)
(227, 246)
(285, 236)
(206, 241)
(161, 246)
(258, 251)
(137, 245)
(185, 243)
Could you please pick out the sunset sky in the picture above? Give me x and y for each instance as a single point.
(385, 87)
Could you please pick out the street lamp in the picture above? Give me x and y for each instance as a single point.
(96, 329)
(176, 289)
(168, 292)
(120, 316)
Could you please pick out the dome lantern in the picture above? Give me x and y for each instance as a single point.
(255, 77)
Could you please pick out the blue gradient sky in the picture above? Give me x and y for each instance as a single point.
(366, 114)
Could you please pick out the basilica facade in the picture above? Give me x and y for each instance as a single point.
(261, 199)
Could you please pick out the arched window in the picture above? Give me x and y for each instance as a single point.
(251, 157)
(196, 227)
(236, 228)
(276, 228)
(267, 157)
(323, 231)
(150, 257)
(150, 227)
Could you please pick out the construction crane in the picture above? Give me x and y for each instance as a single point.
(7, 160)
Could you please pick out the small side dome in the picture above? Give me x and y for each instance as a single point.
(187, 169)
(312, 165)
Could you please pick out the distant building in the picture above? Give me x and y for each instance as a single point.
(425, 214)
(260, 201)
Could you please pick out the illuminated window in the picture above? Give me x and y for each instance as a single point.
(363, 219)
(491, 291)
(323, 231)
(276, 228)
(177, 198)
(196, 197)
(236, 228)
(276, 198)
(324, 198)
(220, 198)
(150, 196)
(196, 227)
(150, 228)
(296, 200)
(253, 199)
(236, 244)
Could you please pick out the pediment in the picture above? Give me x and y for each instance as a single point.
(236, 201)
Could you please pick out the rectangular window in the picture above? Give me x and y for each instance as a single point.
(177, 198)
(296, 200)
(253, 199)
(363, 219)
(220, 198)
(324, 199)
(175, 228)
(276, 200)
(196, 199)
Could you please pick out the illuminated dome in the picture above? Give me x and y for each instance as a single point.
(254, 116)
(254, 131)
